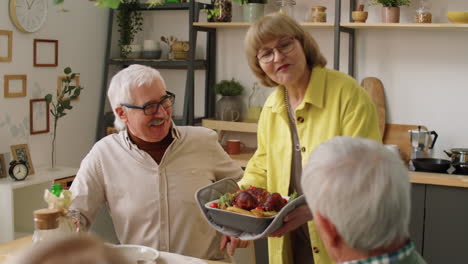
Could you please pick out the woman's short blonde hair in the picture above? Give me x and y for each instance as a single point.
(274, 27)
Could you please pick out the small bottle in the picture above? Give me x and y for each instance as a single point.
(423, 14)
(56, 189)
(46, 225)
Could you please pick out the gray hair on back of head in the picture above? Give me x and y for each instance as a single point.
(121, 85)
(362, 188)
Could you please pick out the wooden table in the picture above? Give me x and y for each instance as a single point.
(22, 243)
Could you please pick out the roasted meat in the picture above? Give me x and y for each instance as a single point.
(245, 200)
(260, 194)
(274, 202)
(258, 197)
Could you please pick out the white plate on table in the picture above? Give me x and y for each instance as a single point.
(137, 254)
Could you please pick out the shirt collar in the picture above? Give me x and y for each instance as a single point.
(174, 131)
(388, 258)
(314, 94)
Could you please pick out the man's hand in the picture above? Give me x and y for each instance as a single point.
(293, 220)
(234, 243)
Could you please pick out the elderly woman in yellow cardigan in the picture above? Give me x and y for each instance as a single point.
(310, 105)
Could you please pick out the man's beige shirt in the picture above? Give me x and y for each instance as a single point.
(151, 204)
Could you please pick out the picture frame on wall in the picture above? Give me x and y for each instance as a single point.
(15, 85)
(75, 81)
(21, 152)
(3, 168)
(45, 53)
(39, 118)
(6, 45)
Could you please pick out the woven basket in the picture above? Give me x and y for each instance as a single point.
(180, 55)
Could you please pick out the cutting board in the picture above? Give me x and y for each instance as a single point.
(375, 89)
(397, 134)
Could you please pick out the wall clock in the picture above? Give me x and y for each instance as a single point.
(28, 15)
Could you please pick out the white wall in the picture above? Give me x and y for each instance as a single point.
(81, 35)
(424, 72)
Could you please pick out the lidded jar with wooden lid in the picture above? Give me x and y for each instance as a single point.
(46, 224)
(318, 14)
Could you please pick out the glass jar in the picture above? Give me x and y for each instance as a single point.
(423, 14)
(286, 7)
(256, 100)
(318, 14)
(46, 225)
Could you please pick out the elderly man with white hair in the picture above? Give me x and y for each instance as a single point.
(149, 172)
(359, 194)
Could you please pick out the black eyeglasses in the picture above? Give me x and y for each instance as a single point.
(284, 47)
(153, 107)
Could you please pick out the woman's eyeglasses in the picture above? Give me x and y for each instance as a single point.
(153, 107)
(284, 47)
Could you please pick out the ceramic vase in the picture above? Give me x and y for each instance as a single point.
(229, 108)
(253, 11)
(390, 14)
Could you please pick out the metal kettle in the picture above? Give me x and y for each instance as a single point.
(422, 141)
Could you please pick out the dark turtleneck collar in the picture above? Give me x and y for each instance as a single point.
(155, 149)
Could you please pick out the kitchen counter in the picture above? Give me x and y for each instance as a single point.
(24, 242)
(439, 179)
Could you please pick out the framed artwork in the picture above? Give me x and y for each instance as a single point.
(38, 116)
(21, 152)
(15, 85)
(6, 45)
(3, 168)
(45, 53)
(74, 82)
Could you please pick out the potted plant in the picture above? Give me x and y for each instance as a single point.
(229, 106)
(220, 11)
(391, 9)
(62, 103)
(130, 22)
(252, 9)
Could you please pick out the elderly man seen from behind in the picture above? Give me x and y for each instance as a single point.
(359, 195)
(148, 173)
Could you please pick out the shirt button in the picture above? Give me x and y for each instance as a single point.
(300, 119)
(316, 250)
(303, 149)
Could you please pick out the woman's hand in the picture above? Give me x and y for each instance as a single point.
(234, 243)
(293, 220)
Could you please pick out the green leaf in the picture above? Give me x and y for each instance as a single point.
(292, 196)
(66, 103)
(48, 98)
(76, 93)
(67, 70)
(114, 4)
(56, 2)
(72, 76)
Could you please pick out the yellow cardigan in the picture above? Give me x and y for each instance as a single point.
(334, 105)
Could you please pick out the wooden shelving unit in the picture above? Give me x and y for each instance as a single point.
(403, 26)
(223, 126)
(230, 126)
(248, 24)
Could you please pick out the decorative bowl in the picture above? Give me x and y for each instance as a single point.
(359, 16)
(458, 17)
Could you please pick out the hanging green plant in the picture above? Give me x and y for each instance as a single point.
(130, 22)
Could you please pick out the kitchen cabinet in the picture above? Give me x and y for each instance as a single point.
(418, 196)
(17, 205)
(445, 225)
